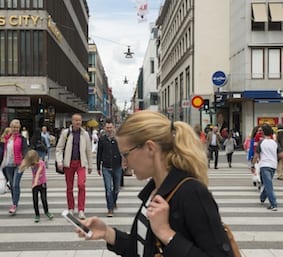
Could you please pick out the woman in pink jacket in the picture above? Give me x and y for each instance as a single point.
(14, 150)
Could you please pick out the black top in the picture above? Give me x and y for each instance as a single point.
(193, 215)
(108, 153)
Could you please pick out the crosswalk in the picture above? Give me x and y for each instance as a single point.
(258, 231)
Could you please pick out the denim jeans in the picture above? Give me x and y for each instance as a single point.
(14, 178)
(266, 176)
(112, 180)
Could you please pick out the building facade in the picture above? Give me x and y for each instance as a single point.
(192, 45)
(230, 56)
(43, 61)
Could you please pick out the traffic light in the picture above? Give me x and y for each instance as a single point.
(40, 109)
(206, 104)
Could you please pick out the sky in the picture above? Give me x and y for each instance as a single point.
(113, 25)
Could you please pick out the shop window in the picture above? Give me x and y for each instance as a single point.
(257, 63)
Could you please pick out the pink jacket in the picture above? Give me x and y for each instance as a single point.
(18, 148)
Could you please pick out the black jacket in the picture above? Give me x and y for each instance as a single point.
(108, 153)
(193, 215)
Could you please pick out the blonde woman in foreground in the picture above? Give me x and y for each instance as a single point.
(166, 152)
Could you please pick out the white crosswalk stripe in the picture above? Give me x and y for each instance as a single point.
(258, 231)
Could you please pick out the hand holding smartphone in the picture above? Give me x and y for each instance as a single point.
(73, 220)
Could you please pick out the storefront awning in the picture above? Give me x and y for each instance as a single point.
(259, 12)
(262, 94)
(276, 11)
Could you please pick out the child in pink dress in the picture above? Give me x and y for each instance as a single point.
(37, 165)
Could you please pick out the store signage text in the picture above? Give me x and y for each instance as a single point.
(20, 20)
(54, 29)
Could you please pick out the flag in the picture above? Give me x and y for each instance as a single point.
(142, 9)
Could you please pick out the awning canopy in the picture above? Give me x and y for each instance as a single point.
(276, 11)
(259, 12)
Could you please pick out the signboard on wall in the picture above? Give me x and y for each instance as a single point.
(18, 101)
(272, 121)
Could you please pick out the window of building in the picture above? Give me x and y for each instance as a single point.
(37, 4)
(2, 4)
(153, 98)
(259, 16)
(152, 66)
(91, 77)
(31, 53)
(257, 63)
(12, 50)
(2, 52)
(25, 63)
(25, 4)
(275, 13)
(274, 64)
(91, 60)
(12, 4)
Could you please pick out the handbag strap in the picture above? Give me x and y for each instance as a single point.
(168, 198)
(66, 142)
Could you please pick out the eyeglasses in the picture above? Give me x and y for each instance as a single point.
(126, 154)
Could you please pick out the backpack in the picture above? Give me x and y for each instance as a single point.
(40, 145)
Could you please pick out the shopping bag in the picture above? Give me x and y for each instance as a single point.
(3, 183)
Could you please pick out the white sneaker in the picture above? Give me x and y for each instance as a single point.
(82, 215)
(71, 211)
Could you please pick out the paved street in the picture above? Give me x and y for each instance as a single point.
(258, 231)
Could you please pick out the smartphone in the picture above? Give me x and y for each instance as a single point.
(72, 219)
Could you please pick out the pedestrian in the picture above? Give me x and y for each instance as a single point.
(15, 148)
(256, 135)
(279, 140)
(5, 132)
(74, 156)
(229, 145)
(267, 155)
(213, 145)
(200, 133)
(94, 140)
(37, 143)
(39, 185)
(25, 134)
(46, 135)
(109, 159)
(166, 152)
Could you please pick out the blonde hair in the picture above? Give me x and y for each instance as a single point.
(5, 132)
(15, 122)
(178, 141)
(31, 158)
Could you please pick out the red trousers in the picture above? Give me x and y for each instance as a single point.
(75, 167)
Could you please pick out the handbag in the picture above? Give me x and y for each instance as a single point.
(227, 229)
(3, 183)
(56, 163)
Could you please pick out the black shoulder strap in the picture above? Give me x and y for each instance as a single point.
(66, 140)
